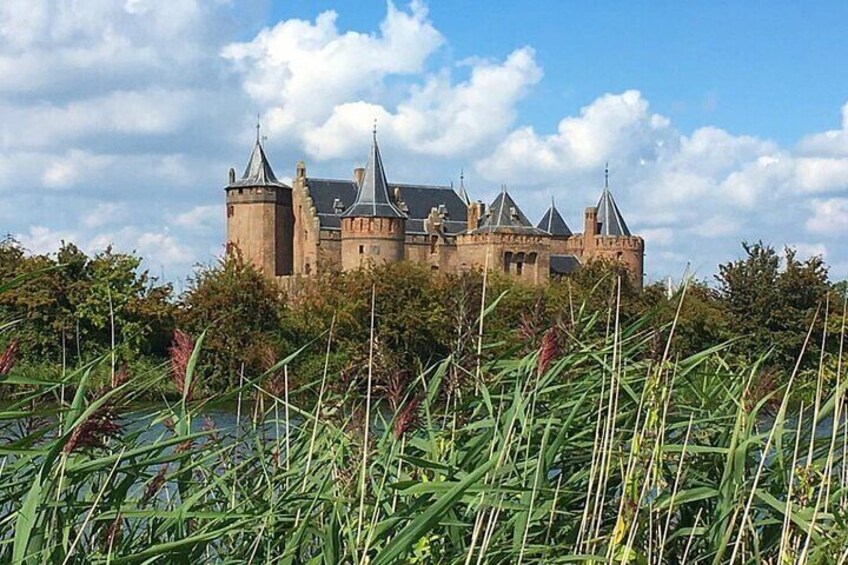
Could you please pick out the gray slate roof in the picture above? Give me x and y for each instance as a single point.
(564, 264)
(609, 217)
(420, 199)
(504, 216)
(258, 171)
(553, 223)
(373, 200)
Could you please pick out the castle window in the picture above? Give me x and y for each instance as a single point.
(434, 267)
(230, 211)
(361, 249)
(308, 269)
(519, 267)
(434, 240)
(531, 258)
(507, 259)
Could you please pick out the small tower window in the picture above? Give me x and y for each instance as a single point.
(434, 241)
(361, 249)
(507, 259)
(230, 211)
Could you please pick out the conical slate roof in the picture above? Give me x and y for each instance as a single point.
(504, 215)
(372, 199)
(609, 217)
(258, 171)
(553, 223)
(610, 221)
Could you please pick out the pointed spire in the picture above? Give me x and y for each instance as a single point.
(553, 223)
(609, 217)
(462, 193)
(373, 200)
(258, 171)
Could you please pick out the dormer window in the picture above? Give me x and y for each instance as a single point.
(513, 213)
(338, 206)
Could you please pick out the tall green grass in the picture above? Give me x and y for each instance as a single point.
(588, 449)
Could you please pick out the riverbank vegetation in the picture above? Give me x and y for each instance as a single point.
(555, 428)
(82, 307)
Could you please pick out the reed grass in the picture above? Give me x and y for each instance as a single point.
(591, 449)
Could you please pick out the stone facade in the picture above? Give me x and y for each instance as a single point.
(330, 224)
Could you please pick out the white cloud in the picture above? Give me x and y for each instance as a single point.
(830, 216)
(326, 87)
(130, 112)
(303, 70)
(105, 213)
(807, 250)
(201, 218)
(614, 125)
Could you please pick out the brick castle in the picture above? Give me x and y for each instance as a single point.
(322, 224)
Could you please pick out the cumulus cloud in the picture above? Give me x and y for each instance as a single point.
(829, 216)
(326, 87)
(121, 119)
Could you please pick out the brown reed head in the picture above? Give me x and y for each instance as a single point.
(9, 358)
(100, 426)
(180, 354)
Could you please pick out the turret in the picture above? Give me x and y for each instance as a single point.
(260, 221)
(373, 228)
(607, 236)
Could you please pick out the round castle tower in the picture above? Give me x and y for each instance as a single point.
(606, 236)
(260, 221)
(372, 229)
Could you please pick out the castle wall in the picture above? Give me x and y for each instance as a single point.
(436, 251)
(524, 257)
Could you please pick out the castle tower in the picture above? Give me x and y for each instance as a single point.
(372, 229)
(260, 221)
(607, 236)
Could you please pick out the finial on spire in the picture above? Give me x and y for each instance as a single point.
(374, 130)
(606, 174)
(258, 127)
(552, 201)
(462, 176)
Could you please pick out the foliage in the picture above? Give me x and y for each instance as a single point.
(244, 315)
(69, 312)
(772, 300)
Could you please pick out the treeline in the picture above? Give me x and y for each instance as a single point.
(76, 308)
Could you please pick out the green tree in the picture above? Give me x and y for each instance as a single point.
(244, 316)
(773, 306)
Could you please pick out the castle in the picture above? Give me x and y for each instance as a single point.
(322, 224)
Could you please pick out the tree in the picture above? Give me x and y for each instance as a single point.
(773, 307)
(244, 317)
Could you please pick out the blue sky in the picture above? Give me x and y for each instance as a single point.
(722, 121)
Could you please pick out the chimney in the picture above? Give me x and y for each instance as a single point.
(590, 222)
(232, 175)
(301, 170)
(475, 214)
(358, 175)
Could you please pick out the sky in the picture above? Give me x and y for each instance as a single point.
(721, 121)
